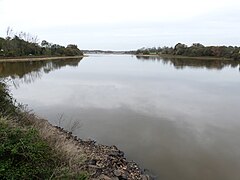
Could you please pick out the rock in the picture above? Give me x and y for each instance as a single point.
(92, 162)
(124, 176)
(114, 147)
(117, 173)
(145, 177)
(97, 173)
(116, 153)
(104, 177)
(121, 153)
(104, 162)
(114, 178)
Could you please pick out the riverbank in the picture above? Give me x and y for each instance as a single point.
(70, 157)
(167, 56)
(99, 161)
(27, 59)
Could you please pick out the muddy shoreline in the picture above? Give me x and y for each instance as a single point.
(27, 59)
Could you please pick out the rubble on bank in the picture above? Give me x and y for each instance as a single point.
(99, 161)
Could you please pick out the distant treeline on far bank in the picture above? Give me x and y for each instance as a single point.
(196, 50)
(24, 44)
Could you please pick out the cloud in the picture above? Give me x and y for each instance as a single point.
(124, 24)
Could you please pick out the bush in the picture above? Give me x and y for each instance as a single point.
(7, 103)
(23, 155)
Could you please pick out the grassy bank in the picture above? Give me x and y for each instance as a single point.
(25, 59)
(28, 150)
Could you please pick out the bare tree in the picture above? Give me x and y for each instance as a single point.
(9, 32)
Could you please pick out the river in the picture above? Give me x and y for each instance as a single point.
(179, 119)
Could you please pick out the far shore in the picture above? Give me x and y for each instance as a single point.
(26, 59)
(185, 57)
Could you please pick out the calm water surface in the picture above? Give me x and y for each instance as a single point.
(178, 118)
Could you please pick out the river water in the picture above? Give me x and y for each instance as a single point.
(178, 118)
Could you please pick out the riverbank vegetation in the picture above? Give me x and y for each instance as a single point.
(24, 152)
(195, 50)
(181, 62)
(24, 44)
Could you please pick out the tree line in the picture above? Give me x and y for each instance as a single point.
(195, 50)
(24, 44)
(180, 63)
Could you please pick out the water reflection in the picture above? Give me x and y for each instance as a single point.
(193, 63)
(179, 124)
(28, 72)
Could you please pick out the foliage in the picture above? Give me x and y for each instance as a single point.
(23, 154)
(23, 44)
(195, 50)
(7, 103)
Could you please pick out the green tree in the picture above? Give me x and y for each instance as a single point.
(180, 49)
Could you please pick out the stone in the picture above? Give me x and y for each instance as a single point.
(124, 176)
(117, 173)
(116, 153)
(145, 177)
(92, 162)
(114, 178)
(104, 177)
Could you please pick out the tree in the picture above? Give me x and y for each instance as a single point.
(45, 44)
(180, 49)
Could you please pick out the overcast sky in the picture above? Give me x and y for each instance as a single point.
(124, 24)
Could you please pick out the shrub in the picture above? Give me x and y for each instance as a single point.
(7, 103)
(23, 155)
